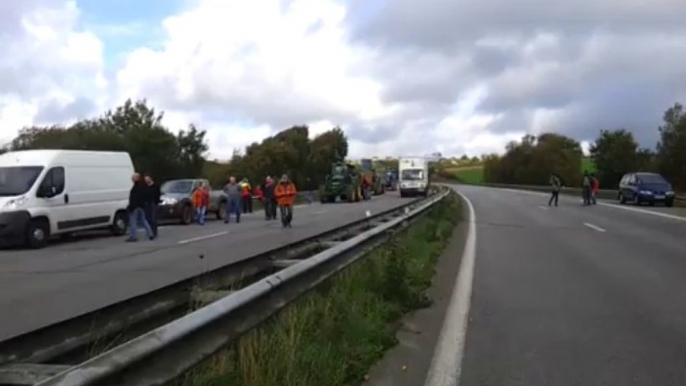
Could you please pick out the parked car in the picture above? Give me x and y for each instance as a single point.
(46, 193)
(176, 201)
(645, 187)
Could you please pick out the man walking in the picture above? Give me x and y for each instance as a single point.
(153, 200)
(268, 199)
(201, 199)
(136, 209)
(233, 193)
(285, 194)
(555, 185)
(586, 189)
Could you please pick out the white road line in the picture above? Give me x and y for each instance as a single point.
(446, 364)
(200, 238)
(595, 227)
(638, 210)
(615, 206)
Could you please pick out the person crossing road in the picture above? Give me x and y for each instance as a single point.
(285, 195)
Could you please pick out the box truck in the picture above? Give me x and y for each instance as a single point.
(413, 178)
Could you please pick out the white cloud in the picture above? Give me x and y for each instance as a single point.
(47, 66)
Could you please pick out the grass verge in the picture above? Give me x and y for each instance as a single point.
(333, 335)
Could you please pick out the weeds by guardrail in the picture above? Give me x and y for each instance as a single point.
(168, 351)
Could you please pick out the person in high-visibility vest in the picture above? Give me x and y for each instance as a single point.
(246, 196)
(285, 195)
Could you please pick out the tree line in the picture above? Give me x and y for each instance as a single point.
(137, 129)
(614, 153)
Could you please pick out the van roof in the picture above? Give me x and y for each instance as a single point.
(42, 157)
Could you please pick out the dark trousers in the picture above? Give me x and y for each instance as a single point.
(151, 216)
(269, 208)
(233, 207)
(587, 195)
(247, 204)
(554, 197)
(286, 215)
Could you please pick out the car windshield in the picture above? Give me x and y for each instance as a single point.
(651, 179)
(412, 174)
(184, 186)
(17, 180)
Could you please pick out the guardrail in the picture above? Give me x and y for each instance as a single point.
(607, 194)
(163, 354)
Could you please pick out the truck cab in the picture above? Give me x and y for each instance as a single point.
(413, 179)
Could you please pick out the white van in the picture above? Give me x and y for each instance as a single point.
(57, 192)
(413, 176)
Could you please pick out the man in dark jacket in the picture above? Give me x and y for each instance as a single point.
(153, 199)
(136, 209)
(269, 199)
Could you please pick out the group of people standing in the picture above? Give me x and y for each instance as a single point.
(271, 194)
(144, 198)
(590, 187)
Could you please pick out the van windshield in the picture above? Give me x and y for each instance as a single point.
(184, 186)
(17, 180)
(412, 175)
(651, 179)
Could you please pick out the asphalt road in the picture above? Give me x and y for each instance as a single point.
(574, 295)
(39, 288)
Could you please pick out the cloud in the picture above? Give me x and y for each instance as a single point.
(400, 76)
(49, 70)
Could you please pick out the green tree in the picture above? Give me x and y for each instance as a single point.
(671, 149)
(614, 153)
(133, 127)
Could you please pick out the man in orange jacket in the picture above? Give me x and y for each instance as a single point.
(285, 196)
(201, 200)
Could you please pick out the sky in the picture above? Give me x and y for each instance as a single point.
(401, 77)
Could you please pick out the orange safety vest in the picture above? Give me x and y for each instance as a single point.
(285, 194)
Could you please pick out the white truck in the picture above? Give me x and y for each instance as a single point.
(413, 176)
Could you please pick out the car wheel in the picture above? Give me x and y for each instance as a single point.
(119, 224)
(221, 211)
(637, 201)
(37, 234)
(622, 200)
(186, 215)
(669, 203)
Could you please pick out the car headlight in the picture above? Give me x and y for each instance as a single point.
(670, 193)
(169, 201)
(646, 192)
(15, 203)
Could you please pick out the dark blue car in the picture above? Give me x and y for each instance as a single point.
(638, 188)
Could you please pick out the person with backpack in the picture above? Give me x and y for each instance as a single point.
(556, 186)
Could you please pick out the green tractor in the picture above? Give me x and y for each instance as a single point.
(344, 181)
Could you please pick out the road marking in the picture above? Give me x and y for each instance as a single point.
(446, 364)
(622, 207)
(665, 215)
(594, 227)
(200, 238)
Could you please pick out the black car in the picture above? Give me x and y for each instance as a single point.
(645, 187)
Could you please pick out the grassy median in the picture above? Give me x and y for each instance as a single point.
(333, 335)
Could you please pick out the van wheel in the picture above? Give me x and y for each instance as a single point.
(119, 224)
(221, 211)
(186, 215)
(37, 234)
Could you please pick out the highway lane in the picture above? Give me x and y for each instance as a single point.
(38, 288)
(574, 295)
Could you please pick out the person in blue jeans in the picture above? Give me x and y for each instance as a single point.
(233, 193)
(137, 205)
